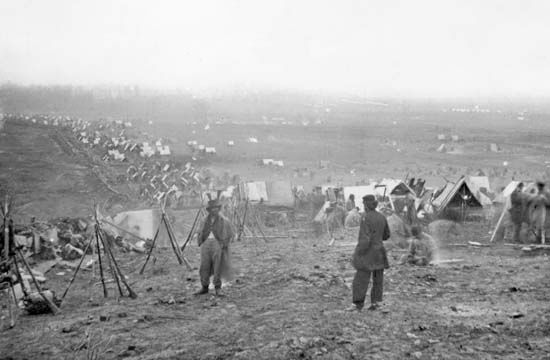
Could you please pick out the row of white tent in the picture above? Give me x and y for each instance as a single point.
(278, 163)
(471, 191)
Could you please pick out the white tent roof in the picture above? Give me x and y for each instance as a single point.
(391, 185)
(475, 183)
(256, 190)
(359, 191)
(509, 189)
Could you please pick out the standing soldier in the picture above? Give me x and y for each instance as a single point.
(217, 232)
(350, 204)
(537, 212)
(517, 209)
(370, 257)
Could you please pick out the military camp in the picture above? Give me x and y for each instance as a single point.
(308, 180)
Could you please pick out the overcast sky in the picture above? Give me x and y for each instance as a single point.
(421, 48)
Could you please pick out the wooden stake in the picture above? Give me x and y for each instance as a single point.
(150, 250)
(105, 293)
(500, 220)
(6, 230)
(51, 305)
(132, 294)
(192, 231)
(76, 271)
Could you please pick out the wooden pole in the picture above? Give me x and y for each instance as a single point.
(76, 271)
(151, 249)
(259, 226)
(6, 230)
(493, 235)
(51, 305)
(114, 271)
(171, 238)
(132, 294)
(241, 228)
(105, 293)
(192, 231)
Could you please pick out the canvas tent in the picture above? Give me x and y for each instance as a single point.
(456, 195)
(479, 185)
(359, 192)
(272, 193)
(393, 187)
(255, 191)
(280, 193)
(143, 223)
(494, 147)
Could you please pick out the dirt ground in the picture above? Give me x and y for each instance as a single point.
(288, 302)
(289, 298)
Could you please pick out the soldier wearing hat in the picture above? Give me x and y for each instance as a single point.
(214, 238)
(537, 212)
(517, 209)
(369, 257)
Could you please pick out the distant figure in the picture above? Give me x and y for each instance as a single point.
(421, 248)
(537, 212)
(317, 200)
(336, 216)
(517, 210)
(369, 257)
(353, 218)
(410, 210)
(214, 238)
(350, 204)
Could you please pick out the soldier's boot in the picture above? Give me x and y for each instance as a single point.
(202, 291)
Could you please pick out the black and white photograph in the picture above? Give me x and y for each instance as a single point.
(274, 179)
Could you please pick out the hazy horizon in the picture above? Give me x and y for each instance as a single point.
(372, 49)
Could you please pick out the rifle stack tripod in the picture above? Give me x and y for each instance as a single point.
(165, 221)
(116, 273)
(12, 257)
(10, 274)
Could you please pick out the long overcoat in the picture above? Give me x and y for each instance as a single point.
(370, 254)
(223, 232)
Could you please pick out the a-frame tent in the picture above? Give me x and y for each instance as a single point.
(456, 195)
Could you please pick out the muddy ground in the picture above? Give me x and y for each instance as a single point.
(288, 302)
(290, 295)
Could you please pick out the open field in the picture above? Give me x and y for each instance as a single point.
(375, 147)
(289, 297)
(288, 303)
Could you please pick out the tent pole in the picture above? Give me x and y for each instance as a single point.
(76, 270)
(499, 220)
(51, 305)
(151, 249)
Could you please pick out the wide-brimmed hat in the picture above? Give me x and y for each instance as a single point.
(212, 204)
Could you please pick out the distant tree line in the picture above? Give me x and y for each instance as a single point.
(100, 102)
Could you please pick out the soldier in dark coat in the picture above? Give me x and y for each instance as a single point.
(216, 234)
(369, 258)
(517, 209)
(537, 212)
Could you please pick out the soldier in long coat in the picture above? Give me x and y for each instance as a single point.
(214, 239)
(537, 212)
(517, 210)
(369, 257)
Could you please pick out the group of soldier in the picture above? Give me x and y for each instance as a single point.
(531, 209)
(369, 258)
